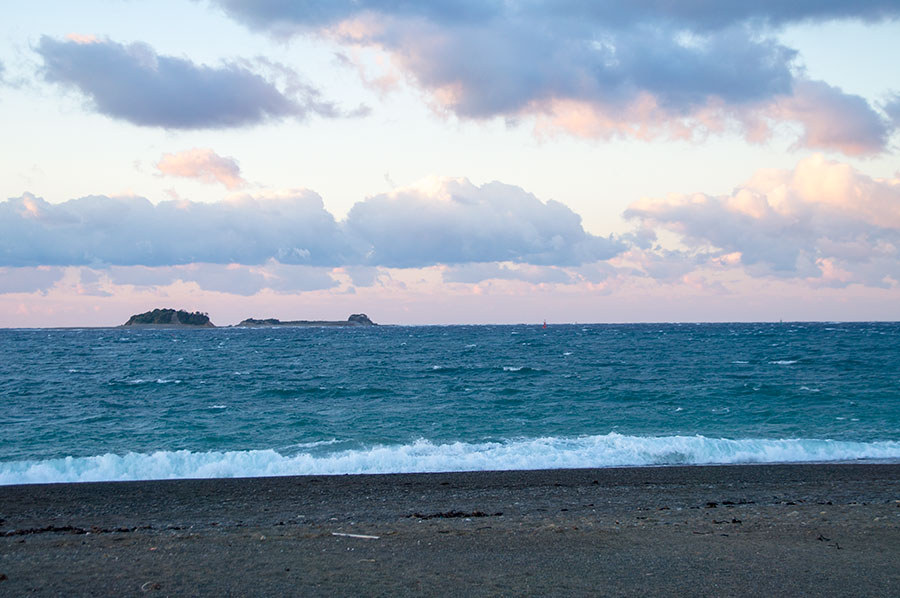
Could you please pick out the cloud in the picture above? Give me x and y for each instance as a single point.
(202, 164)
(599, 69)
(833, 120)
(822, 221)
(292, 227)
(441, 221)
(135, 84)
(892, 109)
(234, 279)
(452, 221)
(475, 273)
(28, 280)
(289, 17)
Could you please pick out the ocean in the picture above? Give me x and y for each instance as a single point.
(132, 404)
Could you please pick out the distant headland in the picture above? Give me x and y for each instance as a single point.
(172, 318)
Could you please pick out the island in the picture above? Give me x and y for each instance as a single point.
(353, 320)
(169, 318)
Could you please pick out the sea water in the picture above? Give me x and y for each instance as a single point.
(127, 404)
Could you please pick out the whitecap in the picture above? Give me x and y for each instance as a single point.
(607, 450)
(783, 362)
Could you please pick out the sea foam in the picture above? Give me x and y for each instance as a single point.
(609, 450)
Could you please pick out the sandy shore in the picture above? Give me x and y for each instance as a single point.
(786, 530)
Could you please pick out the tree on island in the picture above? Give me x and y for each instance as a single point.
(171, 317)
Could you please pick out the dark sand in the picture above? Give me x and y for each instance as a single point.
(786, 530)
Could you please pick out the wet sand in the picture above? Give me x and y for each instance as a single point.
(784, 530)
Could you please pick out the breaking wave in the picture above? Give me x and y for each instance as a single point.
(609, 450)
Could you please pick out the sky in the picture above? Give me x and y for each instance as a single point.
(474, 161)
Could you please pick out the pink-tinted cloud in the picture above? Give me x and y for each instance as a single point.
(832, 119)
(418, 296)
(823, 222)
(203, 164)
(603, 68)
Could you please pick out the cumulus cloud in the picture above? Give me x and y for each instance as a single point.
(135, 84)
(442, 221)
(822, 221)
(597, 69)
(202, 164)
(452, 221)
(293, 228)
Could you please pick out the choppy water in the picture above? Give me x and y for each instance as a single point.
(79, 405)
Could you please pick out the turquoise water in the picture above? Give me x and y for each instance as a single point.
(143, 404)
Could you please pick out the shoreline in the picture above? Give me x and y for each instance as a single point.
(776, 529)
(344, 475)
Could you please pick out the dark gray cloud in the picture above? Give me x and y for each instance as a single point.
(455, 222)
(448, 222)
(640, 67)
(136, 84)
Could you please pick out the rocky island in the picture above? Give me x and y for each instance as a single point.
(169, 318)
(353, 320)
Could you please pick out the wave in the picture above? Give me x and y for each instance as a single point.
(609, 450)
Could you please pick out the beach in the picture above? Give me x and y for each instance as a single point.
(817, 530)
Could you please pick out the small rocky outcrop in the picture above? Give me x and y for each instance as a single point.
(353, 320)
(360, 320)
(170, 318)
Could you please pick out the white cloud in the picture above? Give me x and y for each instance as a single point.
(452, 221)
(444, 221)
